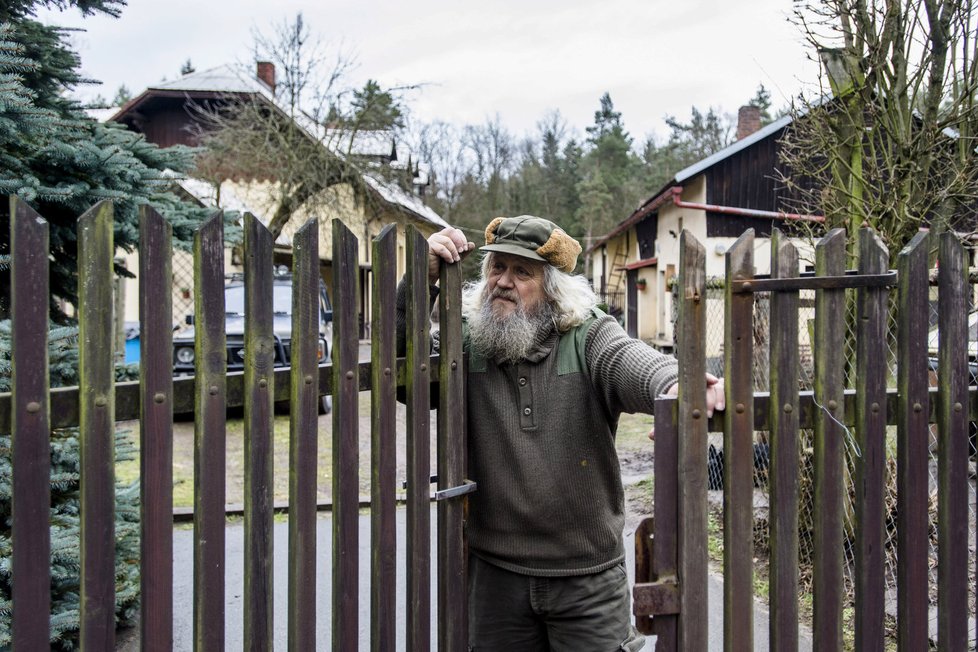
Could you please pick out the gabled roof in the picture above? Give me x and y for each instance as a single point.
(730, 150)
(395, 195)
(214, 82)
(701, 166)
(222, 79)
(228, 79)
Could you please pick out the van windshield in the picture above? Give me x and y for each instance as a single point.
(234, 299)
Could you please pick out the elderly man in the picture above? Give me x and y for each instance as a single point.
(548, 376)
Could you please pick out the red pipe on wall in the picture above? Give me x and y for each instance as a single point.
(677, 192)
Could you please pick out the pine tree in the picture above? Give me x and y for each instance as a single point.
(375, 108)
(703, 135)
(61, 162)
(762, 100)
(607, 189)
(122, 96)
(65, 470)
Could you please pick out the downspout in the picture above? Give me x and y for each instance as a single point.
(604, 269)
(677, 201)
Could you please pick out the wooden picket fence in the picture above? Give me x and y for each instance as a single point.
(32, 409)
(672, 558)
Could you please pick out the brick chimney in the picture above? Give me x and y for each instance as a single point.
(748, 121)
(266, 74)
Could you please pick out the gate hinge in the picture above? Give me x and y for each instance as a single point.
(659, 598)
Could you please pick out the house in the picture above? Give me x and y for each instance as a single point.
(380, 184)
(716, 200)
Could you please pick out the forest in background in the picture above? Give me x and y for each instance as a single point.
(586, 183)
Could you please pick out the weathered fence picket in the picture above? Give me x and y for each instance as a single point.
(259, 345)
(665, 552)
(346, 440)
(829, 348)
(96, 427)
(30, 428)
(156, 432)
(693, 557)
(303, 438)
(912, 446)
(418, 445)
(383, 442)
(952, 447)
(783, 479)
(870, 430)
(210, 429)
(738, 450)
(452, 597)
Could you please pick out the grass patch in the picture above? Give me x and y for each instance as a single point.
(633, 431)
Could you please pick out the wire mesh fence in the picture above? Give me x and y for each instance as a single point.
(183, 287)
(806, 317)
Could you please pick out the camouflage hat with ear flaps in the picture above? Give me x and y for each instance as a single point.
(534, 238)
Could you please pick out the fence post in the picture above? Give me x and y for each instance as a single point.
(383, 394)
(912, 447)
(871, 368)
(693, 558)
(346, 439)
(303, 437)
(97, 427)
(738, 450)
(418, 448)
(665, 551)
(783, 479)
(210, 429)
(30, 429)
(259, 384)
(155, 431)
(952, 447)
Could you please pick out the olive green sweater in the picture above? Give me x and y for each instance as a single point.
(541, 446)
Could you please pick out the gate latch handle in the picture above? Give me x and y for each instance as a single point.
(467, 487)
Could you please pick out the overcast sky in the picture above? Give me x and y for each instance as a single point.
(516, 58)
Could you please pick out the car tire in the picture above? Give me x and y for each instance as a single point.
(325, 404)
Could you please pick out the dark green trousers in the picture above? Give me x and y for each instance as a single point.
(510, 612)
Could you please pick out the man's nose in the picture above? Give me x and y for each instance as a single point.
(505, 279)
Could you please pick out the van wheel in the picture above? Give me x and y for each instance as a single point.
(325, 404)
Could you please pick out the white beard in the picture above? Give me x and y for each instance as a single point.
(507, 338)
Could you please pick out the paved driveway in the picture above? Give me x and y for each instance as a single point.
(183, 590)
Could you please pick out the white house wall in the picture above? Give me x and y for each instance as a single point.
(672, 220)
